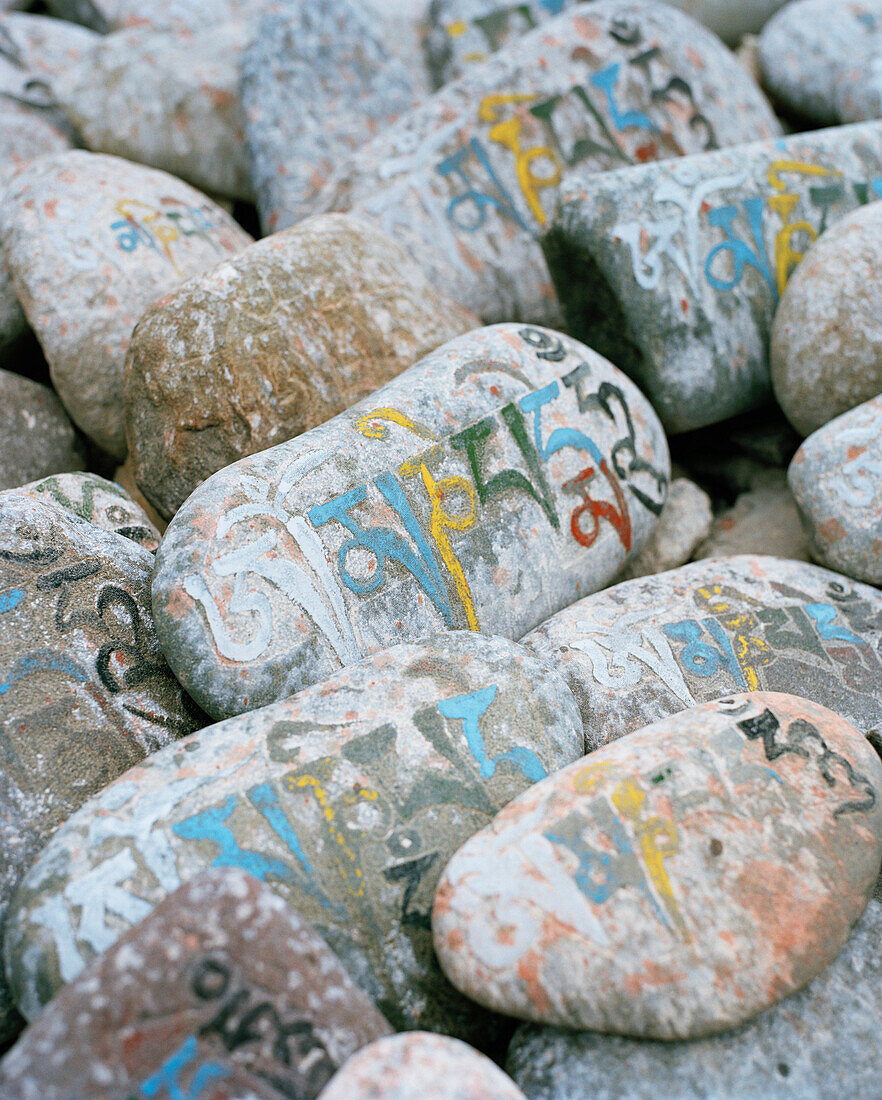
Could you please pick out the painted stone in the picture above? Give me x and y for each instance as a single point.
(826, 1032)
(488, 486)
(467, 181)
(99, 501)
(91, 240)
(836, 478)
(347, 800)
(764, 520)
(278, 339)
(684, 523)
(674, 270)
(220, 992)
(657, 645)
(826, 350)
(675, 883)
(402, 1066)
(317, 82)
(36, 437)
(178, 16)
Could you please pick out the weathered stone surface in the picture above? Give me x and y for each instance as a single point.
(466, 181)
(178, 16)
(91, 241)
(764, 520)
(418, 1063)
(731, 21)
(674, 270)
(675, 883)
(836, 478)
(317, 82)
(99, 501)
(491, 484)
(825, 1033)
(36, 437)
(278, 339)
(221, 983)
(38, 48)
(684, 523)
(826, 348)
(347, 799)
(656, 645)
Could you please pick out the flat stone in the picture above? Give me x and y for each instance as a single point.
(684, 523)
(825, 1032)
(454, 497)
(764, 520)
(826, 349)
(318, 81)
(836, 478)
(674, 270)
(467, 181)
(347, 800)
(675, 883)
(401, 1067)
(656, 645)
(91, 240)
(36, 437)
(277, 340)
(222, 982)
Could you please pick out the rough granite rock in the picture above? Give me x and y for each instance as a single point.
(684, 523)
(764, 520)
(91, 240)
(36, 437)
(99, 501)
(278, 339)
(675, 883)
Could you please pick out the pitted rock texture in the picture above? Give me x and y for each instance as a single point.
(836, 477)
(91, 240)
(674, 270)
(685, 523)
(99, 501)
(276, 340)
(494, 482)
(347, 800)
(826, 348)
(467, 181)
(650, 647)
(36, 437)
(675, 883)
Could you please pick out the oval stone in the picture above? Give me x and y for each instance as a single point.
(675, 883)
(493, 483)
(278, 339)
(36, 437)
(347, 800)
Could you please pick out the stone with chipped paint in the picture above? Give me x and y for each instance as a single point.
(673, 884)
(674, 270)
(684, 523)
(36, 436)
(223, 983)
(278, 339)
(654, 646)
(346, 799)
(91, 240)
(467, 180)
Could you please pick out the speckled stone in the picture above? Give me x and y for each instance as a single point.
(417, 1064)
(467, 181)
(684, 523)
(221, 983)
(347, 800)
(91, 240)
(826, 1033)
(675, 883)
(674, 270)
(656, 645)
(36, 437)
(278, 339)
(492, 483)
(764, 520)
(731, 21)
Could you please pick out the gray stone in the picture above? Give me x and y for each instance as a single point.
(36, 437)
(826, 1033)
(453, 497)
(38, 49)
(684, 523)
(347, 799)
(764, 520)
(674, 270)
(467, 181)
(656, 645)
(731, 21)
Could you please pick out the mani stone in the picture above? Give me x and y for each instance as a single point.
(836, 478)
(347, 800)
(91, 241)
(684, 523)
(826, 348)
(654, 646)
(317, 82)
(827, 1032)
(36, 437)
(276, 340)
(222, 987)
(418, 1063)
(674, 270)
(467, 181)
(491, 484)
(675, 883)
